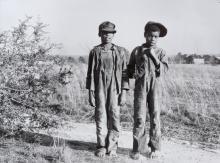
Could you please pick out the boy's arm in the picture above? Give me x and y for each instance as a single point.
(163, 63)
(131, 65)
(90, 85)
(90, 72)
(125, 79)
(160, 62)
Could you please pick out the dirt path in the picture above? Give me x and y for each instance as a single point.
(173, 150)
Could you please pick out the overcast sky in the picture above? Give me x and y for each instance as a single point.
(193, 25)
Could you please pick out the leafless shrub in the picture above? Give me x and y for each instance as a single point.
(25, 83)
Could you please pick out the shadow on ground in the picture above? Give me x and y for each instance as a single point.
(46, 140)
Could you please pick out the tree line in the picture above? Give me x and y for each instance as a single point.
(190, 58)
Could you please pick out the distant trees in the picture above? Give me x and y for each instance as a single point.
(190, 59)
(83, 59)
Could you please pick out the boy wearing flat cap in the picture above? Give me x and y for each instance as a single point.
(107, 82)
(147, 64)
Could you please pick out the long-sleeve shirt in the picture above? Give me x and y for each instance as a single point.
(96, 67)
(141, 63)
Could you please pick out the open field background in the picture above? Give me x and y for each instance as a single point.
(190, 99)
(40, 91)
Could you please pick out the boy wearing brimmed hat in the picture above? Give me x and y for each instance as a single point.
(147, 64)
(107, 83)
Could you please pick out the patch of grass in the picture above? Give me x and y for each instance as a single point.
(190, 97)
(18, 150)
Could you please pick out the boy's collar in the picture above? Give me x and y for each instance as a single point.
(113, 47)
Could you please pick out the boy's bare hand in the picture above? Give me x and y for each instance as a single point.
(92, 98)
(122, 98)
(152, 52)
(154, 56)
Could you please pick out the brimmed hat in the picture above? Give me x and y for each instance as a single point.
(107, 26)
(163, 30)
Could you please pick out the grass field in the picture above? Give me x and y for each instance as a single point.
(190, 104)
(190, 101)
(40, 91)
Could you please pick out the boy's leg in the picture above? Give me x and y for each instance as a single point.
(154, 111)
(101, 121)
(113, 113)
(139, 135)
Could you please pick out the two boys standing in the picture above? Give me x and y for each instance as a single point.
(108, 80)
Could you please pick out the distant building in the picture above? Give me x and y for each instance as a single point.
(198, 60)
(194, 59)
(212, 60)
(217, 60)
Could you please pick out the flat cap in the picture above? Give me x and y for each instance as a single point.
(107, 26)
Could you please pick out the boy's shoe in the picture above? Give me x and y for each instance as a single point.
(112, 153)
(135, 155)
(155, 154)
(100, 152)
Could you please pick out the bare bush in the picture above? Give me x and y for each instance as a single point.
(25, 83)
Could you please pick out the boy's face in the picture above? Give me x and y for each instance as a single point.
(152, 37)
(106, 37)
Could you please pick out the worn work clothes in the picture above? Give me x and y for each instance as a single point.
(95, 66)
(146, 95)
(107, 76)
